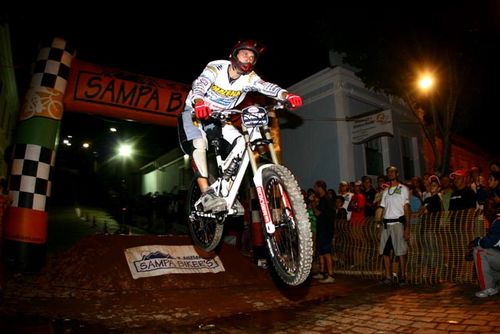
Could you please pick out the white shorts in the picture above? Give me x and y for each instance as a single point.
(396, 232)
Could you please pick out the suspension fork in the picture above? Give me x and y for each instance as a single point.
(272, 149)
(257, 178)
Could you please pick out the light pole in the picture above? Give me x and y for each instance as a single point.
(125, 151)
(426, 83)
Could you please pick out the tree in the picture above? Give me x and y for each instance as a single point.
(391, 56)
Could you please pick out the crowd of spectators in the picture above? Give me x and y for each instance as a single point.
(359, 202)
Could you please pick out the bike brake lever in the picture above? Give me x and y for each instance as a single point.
(281, 105)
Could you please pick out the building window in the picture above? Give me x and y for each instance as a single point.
(373, 156)
(408, 160)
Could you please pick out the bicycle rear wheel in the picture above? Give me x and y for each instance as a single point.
(206, 232)
(290, 246)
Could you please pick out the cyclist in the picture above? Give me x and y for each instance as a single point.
(223, 84)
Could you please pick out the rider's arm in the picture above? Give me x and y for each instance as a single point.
(267, 88)
(203, 83)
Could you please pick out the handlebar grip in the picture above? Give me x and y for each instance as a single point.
(287, 104)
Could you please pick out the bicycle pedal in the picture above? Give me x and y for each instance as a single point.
(238, 209)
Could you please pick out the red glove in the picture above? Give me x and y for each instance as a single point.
(294, 100)
(201, 110)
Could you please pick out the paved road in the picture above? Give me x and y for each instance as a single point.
(379, 310)
(351, 305)
(348, 306)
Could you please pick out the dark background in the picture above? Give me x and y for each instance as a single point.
(176, 43)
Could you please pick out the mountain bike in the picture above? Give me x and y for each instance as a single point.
(286, 225)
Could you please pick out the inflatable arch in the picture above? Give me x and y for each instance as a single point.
(63, 83)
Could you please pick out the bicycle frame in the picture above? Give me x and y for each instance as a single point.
(244, 149)
(287, 228)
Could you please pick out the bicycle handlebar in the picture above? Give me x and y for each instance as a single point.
(227, 112)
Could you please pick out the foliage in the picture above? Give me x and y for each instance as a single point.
(393, 50)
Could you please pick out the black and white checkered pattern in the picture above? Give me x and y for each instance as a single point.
(30, 180)
(52, 65)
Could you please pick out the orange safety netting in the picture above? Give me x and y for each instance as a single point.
(436, 249)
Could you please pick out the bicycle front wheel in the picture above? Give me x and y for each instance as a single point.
(290, 246)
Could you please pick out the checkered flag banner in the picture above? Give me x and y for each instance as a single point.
(49, 81)
(30, 183)
(52, 65)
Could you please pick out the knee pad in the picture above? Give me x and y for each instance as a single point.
(200, 156)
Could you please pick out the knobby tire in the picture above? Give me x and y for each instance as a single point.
(205, 232)
(290, 247)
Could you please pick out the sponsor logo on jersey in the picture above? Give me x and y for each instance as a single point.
(225, 92)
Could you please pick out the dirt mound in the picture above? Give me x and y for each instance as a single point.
(98, 262)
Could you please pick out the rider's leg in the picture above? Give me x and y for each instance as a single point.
(202, 183)
(199, 156)
(193, 142)
(209, 200)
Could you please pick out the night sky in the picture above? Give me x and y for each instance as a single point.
(176, 44)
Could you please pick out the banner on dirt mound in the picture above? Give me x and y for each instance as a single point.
(155, 260)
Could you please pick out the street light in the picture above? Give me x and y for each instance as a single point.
(125, 150)
(426, 82)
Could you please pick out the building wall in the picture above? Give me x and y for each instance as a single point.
(321, 147)
(170, 177)
(464, 155)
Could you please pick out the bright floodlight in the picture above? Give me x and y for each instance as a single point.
(112, 129)
(426, 82)
(85, 145)
(125, 150)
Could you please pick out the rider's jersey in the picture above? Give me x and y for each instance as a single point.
(217, 89)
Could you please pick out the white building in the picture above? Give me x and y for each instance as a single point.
(344, 134)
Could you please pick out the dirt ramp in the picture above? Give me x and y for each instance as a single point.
(98, 262)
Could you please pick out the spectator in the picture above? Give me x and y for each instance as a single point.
(370, 194)
(344, 191)
(477, 184)
(340, 212)
(325, 213)
(446, 191)
(395, 233)
(492, 206)
(381, 186)
(415, 202)
(357, 206)
(432, 251)
(463, 197)
(486, 255)
(433, 202)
